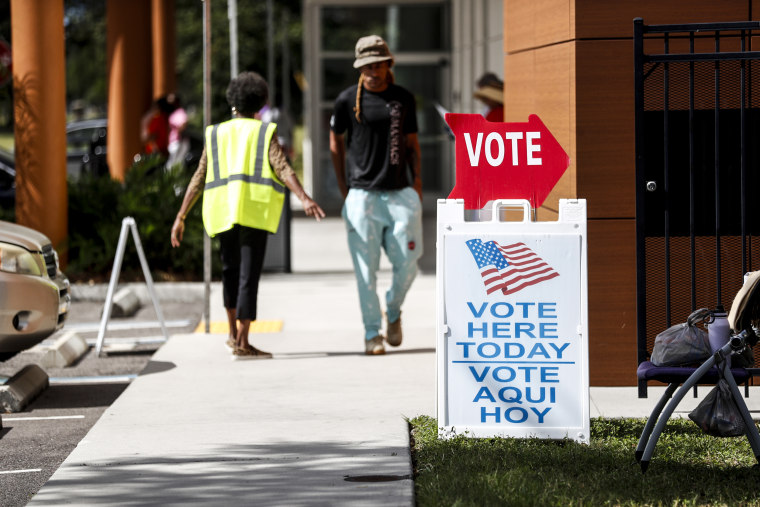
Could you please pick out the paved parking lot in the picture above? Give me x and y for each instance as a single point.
(35, 441)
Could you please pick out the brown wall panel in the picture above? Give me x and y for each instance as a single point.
(542, 82)
(605, 19)
(605, 149)
(536, 23)
(612, 302)
(519, 75)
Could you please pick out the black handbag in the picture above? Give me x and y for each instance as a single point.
(683, 344)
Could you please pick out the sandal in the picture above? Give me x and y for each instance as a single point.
(249, 353)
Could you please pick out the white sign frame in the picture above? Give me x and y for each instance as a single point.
(512, 362)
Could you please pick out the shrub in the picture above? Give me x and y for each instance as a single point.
(152, 196)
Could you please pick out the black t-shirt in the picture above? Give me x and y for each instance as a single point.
(377, 157)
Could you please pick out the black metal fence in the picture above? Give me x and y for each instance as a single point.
(697, 99)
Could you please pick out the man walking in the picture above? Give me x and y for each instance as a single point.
(376, 156)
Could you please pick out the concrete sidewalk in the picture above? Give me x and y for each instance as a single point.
(320, 424)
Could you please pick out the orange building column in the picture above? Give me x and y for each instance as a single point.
(39, 93)
(164, 47)
(128, 30)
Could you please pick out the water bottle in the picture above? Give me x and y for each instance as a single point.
(718, 331)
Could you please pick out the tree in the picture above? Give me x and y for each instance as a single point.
(85, 32)
(252, 50)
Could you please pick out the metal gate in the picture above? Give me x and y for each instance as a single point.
(697, 99)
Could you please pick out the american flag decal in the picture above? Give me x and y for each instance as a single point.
(509, 268)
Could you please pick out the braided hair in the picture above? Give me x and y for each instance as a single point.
(358, 107)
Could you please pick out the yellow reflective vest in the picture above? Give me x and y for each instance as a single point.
(241, 187)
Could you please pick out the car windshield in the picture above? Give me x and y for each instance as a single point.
(78, 141)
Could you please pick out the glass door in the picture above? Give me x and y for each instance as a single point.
(418, 37)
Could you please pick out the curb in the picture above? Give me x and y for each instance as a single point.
(22, 388)
(180, 292)
(65, 351)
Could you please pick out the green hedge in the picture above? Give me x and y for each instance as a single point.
(152, 196)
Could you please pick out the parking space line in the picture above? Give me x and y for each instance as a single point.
(10, 419)
(102, 379)
(29, 470)
(125, 326)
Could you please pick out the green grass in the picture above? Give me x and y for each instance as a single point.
(688, 468)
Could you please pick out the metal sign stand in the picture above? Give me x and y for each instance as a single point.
(127, 223)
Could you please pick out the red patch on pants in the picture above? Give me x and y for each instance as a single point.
(411, 245)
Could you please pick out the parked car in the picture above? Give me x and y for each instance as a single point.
(85, 152)
(7, 180)
(86, 147)
(34, 293)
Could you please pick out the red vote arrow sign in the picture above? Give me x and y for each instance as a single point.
(497, 160)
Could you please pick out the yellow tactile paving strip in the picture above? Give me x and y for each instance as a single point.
(257, 326)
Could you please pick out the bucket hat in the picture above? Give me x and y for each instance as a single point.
(490, 88)
(371, 49)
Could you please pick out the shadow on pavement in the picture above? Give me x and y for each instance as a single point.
(77, 396)
(157, 367)
(280, 473)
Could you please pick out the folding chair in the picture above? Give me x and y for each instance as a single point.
(744, 310)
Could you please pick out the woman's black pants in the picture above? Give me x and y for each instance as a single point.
(242, 251)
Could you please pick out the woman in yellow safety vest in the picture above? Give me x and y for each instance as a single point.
(242, 175)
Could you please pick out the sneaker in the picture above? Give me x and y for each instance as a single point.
(252, 353)
(393, 331)
(230, 344)
(374, 347)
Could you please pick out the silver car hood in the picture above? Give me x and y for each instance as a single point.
(22, 236)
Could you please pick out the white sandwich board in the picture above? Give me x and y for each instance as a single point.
(512, 322)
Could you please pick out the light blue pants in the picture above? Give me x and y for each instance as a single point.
(392, 220)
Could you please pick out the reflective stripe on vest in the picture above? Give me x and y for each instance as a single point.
(241, 187)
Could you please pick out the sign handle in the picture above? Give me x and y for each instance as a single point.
(501, 204)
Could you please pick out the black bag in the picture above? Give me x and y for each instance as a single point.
(683, 344)
(718, 414)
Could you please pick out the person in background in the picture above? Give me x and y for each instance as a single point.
(284, 127)
(178, 143)
(242, 175)
(491, 93)
(373, 138)
(154, 128)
